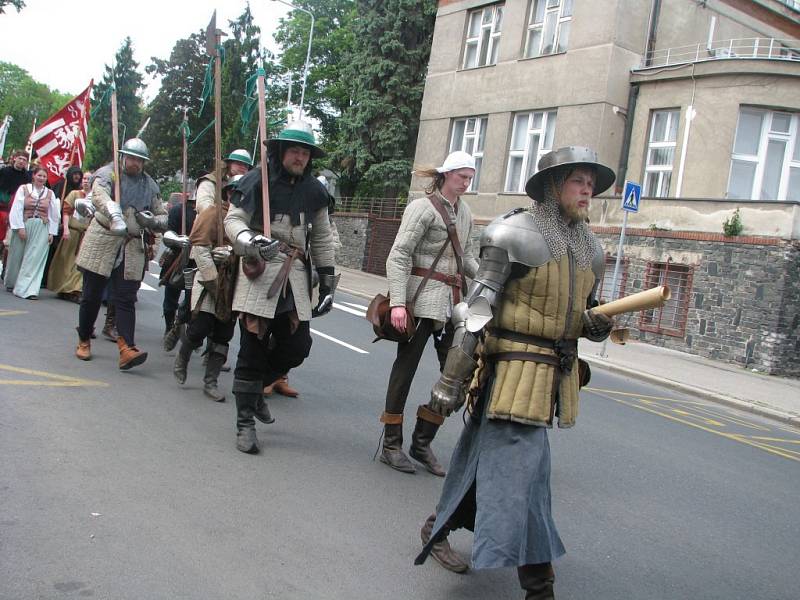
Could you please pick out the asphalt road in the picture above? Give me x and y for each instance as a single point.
(125, 485)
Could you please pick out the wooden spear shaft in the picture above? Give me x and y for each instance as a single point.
(262, 128)
(218, 132)
(115, 141)
(184, 195)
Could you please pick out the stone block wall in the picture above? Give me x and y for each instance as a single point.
(352, 229)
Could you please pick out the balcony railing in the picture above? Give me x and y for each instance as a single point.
(749, 48)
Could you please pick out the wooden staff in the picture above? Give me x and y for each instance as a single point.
(185, 167)
(262, 128)
(218, 131)
(115, 141)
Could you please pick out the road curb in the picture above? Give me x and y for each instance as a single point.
(763, 411)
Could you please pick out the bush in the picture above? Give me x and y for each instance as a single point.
(733, 226)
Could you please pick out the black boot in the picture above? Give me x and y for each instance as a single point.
(246, 394)
(441, 550)
(392, 452)
(428, 423)
(216, 358)
(110, 326)
(182, 360)
(537, 581)
(172, 332)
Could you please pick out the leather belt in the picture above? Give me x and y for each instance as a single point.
(454, 281)
(292, 254)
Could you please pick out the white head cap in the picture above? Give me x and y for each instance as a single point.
(457, 160)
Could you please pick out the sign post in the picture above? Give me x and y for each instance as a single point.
(631, 198)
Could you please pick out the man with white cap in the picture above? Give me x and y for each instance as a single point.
(436, 228)
(539, 269)
(237, 162)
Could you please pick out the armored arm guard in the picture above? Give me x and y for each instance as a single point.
(469, 318)
(151, 221)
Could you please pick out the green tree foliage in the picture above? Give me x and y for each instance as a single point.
(327, 89)
(386, 70)
(129, 83)
(18, 4)
(25, 100)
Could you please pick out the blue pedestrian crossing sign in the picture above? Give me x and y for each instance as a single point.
(631, 196)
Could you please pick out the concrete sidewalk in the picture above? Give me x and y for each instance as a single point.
(765, 395)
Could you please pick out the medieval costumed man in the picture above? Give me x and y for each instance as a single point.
(429, 259)
(11, 177)
(539, 269)
(238, 162)
(116, 248)
(273, 287)
(211, 298)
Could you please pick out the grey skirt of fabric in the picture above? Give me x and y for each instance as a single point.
(509, 463)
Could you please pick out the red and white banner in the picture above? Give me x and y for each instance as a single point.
(61, 140)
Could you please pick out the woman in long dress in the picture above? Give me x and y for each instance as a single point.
(64, 278)
(34, 222)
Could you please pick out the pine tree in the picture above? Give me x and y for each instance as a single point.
(387, 70)
(129, 83)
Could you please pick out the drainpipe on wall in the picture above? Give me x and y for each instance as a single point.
(633, 94)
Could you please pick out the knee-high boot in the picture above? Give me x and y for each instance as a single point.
(246, 394)
(218, 354)
(428, 423)
(441, 550)
(110, 326)
(392, 452)
(537, 581)
(182, 359)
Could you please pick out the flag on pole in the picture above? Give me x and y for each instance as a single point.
(60, 142)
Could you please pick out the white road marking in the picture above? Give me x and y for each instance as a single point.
(354, 305)
(340, 342)
(352, 311)
(149, 288)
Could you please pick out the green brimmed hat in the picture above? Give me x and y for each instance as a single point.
(297, 133)
(569, 156)
(241, 155)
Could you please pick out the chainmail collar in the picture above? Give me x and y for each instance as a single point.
(558, 233)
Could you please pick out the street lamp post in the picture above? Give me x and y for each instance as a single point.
(308, 52)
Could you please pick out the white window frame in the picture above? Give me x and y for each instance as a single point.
(792, 138)
(494, 26)
(652, 144)
(563, 14)
(529, 153)
(474, 129)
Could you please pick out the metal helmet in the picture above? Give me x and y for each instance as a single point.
(299, 133)
(241, 155)
(569, 156)
(135, 147)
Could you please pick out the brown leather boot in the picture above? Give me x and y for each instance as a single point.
(428, 423)
(392, 451)
(281, 386)
(441, 551)
(84, 350)
(129, 356)
(110, 326)
(537, 581)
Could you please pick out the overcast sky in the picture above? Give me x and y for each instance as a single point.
(65, 43)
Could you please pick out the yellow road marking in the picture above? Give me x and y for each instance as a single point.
(51, 379)
(11, 313)
(772, 439)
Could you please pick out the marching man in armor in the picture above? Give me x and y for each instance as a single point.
(115, 248)
(273, 287)
(539, 269)
(237, 162)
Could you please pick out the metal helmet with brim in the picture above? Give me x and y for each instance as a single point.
(240, 155)
(135, 147)
(296, 133)
(573, 157)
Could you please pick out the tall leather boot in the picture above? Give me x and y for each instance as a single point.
(246, 394)
(173, 330)
(129, 356)
(216, 358)
(110, 326)
(537, 581)
(392, 452)
(441, 550)
(428, 423)
(182, 359)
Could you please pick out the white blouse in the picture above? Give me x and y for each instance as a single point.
(15, 215)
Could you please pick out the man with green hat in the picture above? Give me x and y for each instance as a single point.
(237, 162)
(273, 289)
(537, 277)
(115, 248)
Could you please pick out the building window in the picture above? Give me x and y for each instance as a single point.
(483, 36)
(607, 282)
(531, 137)
(469, 135)
(548, 27)
(765, 164)
(670, 319)
(660, 152)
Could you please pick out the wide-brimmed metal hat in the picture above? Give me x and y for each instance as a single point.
(241, 155)
(135, 147)
(569, 156)
(297, 133)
